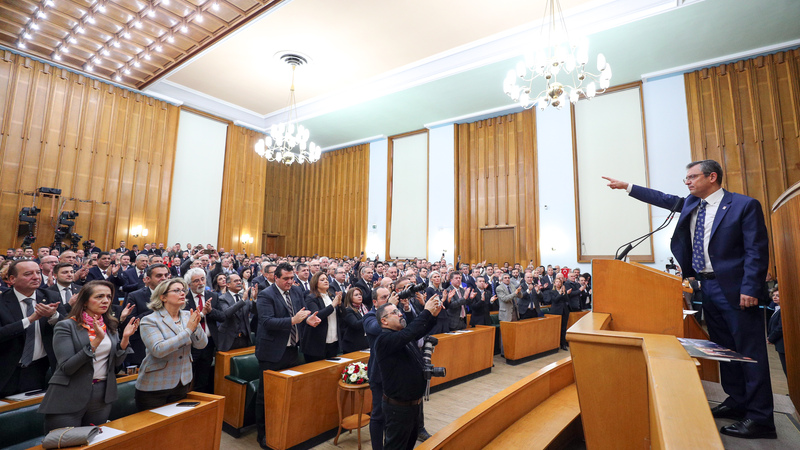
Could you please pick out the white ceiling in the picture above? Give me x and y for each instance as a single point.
(385, 67)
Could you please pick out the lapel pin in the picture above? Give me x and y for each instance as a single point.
(724, 207)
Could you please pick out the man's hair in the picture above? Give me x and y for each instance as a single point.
(381, 312)
(283, 267)
(708, 166)
(12, 268)
(60, 266)
(152, 267)
(101, 254)
(454, 274)
(364, 269)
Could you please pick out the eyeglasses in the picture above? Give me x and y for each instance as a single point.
(177, 291)
(693, 177)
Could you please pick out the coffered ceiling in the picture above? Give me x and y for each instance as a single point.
(376, 67)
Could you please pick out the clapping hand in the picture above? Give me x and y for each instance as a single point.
(493, 299)
(337, 299)
(207, 307)
(126, 312)
(300, 316)
(131, 328)
(194, 320)
(313, 320)
(99, 335)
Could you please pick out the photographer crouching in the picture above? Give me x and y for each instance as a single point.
(403, 369)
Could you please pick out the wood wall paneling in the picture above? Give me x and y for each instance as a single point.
(746, 116)
(243, 183)
(318, 208)
(495, 167)
(110, 152)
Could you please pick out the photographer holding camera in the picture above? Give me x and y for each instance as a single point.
(403, 370)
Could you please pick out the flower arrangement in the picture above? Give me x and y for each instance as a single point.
(355, 373)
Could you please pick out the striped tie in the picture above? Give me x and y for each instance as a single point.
(293, 330)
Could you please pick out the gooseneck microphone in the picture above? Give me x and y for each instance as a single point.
(634, 243)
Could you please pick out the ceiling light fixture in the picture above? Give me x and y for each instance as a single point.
(556, 53)
(287, 142)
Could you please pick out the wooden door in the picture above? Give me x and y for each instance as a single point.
(499, 245)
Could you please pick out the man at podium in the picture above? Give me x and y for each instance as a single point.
(721, 240)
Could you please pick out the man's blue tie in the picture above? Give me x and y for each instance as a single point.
(698, 254)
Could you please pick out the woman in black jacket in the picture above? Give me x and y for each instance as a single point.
(353, 336)
(558, 299)
(322, 341)
(436, 288)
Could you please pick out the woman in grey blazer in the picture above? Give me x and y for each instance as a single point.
(169, 334)
(88, 350)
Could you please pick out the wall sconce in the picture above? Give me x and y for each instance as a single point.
(246, 239)
(138, 230)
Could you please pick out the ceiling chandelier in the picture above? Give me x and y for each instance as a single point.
(287, 142)
(556, 54)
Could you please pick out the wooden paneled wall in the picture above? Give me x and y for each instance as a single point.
(320, 207)
(495, 167)
(243, 183)
(746, 116)
(109, 150)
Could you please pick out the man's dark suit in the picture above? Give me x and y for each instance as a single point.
(775, 337)
(116, 280)
(175, 272)
(366, 292)
(139, 298)
(336, 288)
(260, 282)
(57, 289)
(529, 303)
(454, 307)
(739, 253)
(203, 358)
(574, 294)
(131, 281)
(12, 334)
(236, 319)
(480, 307)
(274, 325)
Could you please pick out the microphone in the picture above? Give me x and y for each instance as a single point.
(633, 244)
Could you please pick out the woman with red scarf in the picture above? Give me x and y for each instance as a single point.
(88, 350)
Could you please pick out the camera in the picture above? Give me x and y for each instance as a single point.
(671, 265)
(427, 351)
(412, 290)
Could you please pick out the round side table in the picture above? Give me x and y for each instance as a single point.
(356, 420)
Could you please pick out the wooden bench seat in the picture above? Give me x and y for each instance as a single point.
(540, 427)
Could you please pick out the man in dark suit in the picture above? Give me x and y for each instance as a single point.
(64, 286)
(154, 275)
(529, 304)
(203, 300)
(133, 278)
(339, 282)
(301, 275)
(573, 291)
(455, 299)
(27, 317)
(234, 306)
(107, 271)
(775, 330)
(122, 249)
(266, 278)
(365, 284)
(481, 302)
(721, 240)
(281, 312)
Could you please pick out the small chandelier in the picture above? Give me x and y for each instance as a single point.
(287, 142)
(560, 55)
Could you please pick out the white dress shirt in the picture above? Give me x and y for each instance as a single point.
(38, 346)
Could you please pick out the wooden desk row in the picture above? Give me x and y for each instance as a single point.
(199, 427)
(530, 336)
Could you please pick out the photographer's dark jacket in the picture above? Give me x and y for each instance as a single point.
(400, 360)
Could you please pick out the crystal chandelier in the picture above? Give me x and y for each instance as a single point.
(287, 142)
(556, 54)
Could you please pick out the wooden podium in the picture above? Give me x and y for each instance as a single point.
(786, 244)
(637, 386)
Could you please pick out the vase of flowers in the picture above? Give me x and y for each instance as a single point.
(355, 373)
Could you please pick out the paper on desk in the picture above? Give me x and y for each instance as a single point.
(20, 397)
(2, 403)
(366, 350)
(464, 331)
(689, 312)
(171, 410)
(291, 373)
(105, 433)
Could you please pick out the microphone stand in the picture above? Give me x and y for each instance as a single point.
(634, 243)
